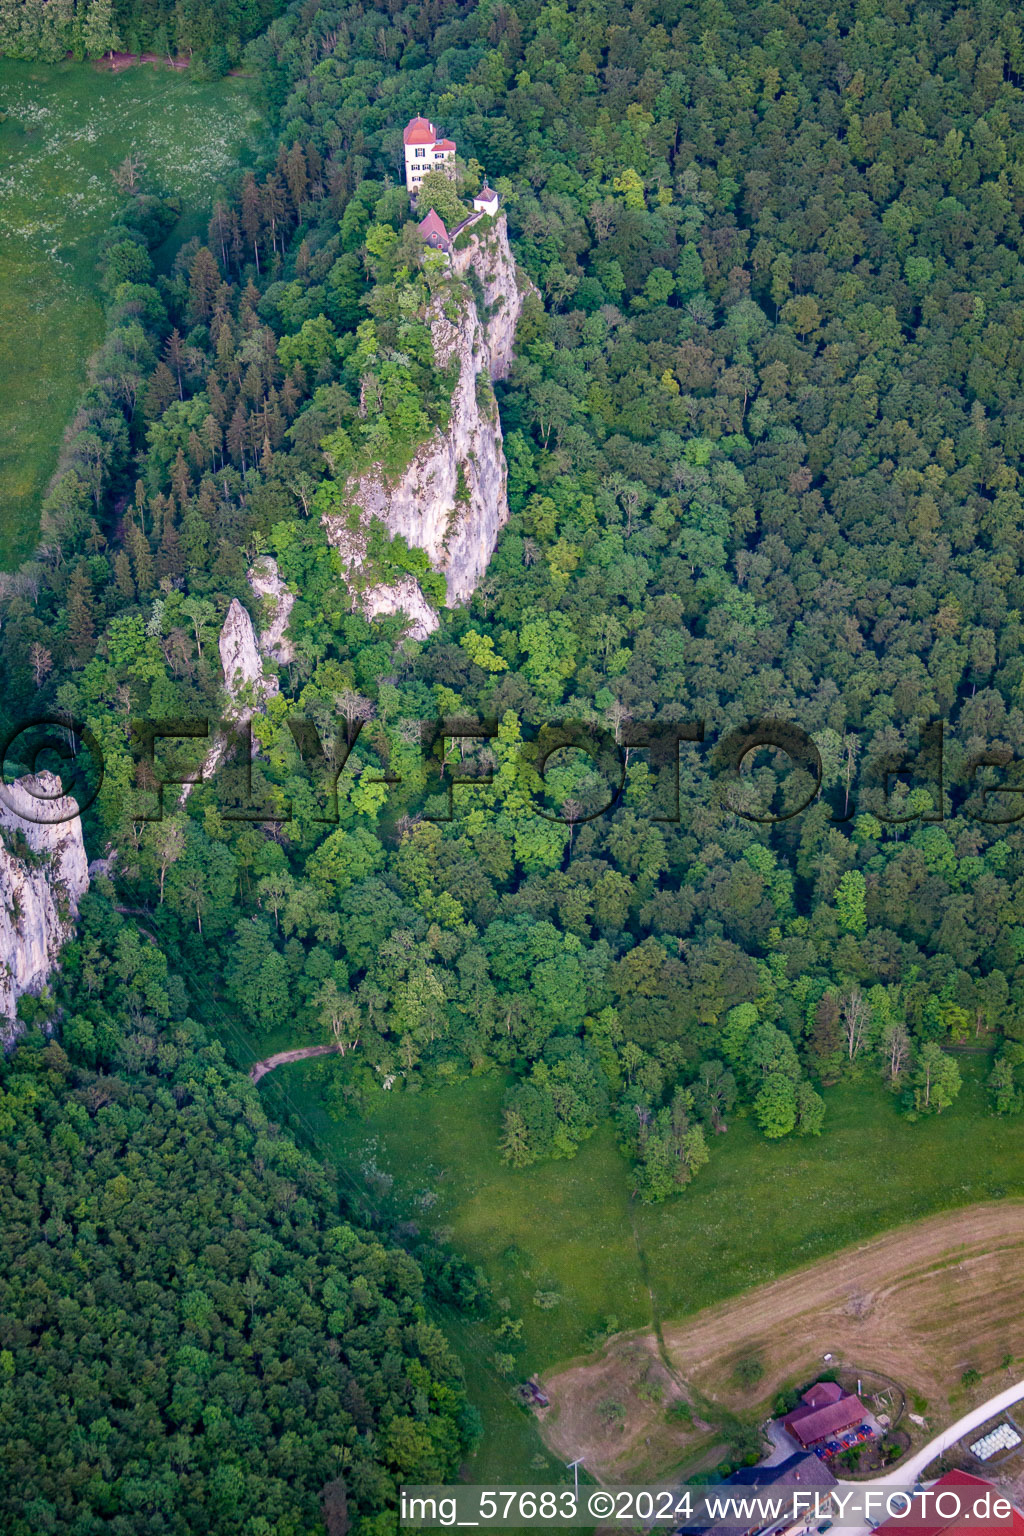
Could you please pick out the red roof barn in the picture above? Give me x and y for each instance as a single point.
(825, 1410)
(821, 1393)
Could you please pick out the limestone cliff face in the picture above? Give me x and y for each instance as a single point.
(245, 683)
(265, 580)
(504, 289)
(451, 501)
(405, 596)
(43, 873)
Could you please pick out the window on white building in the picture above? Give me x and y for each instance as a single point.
(420, 154)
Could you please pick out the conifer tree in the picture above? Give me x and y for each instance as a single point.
(81, 629)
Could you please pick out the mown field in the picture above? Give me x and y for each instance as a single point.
(758, 1211)
(65, 128)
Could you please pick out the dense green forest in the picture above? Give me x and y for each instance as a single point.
(192, 1340)
(63, 130)
(212, 36)
(762, 434)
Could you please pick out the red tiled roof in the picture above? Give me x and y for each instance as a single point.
(810, 1425)
(444, 144)
(433, 224)
(928, 1522)
(821, 1393)
(418, 130)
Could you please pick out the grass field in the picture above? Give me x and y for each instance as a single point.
(758, 1211)
(66, 127)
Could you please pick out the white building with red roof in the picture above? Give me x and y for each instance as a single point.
(486, 201)
(425, 151)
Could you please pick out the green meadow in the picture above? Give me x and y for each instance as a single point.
(759, 1209)
(65, 128)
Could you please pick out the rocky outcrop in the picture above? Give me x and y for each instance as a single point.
(451, 500)
(247, 686)
(43, 874)
(241, 663)
(103, 869)
(266, 581)
(405, 596)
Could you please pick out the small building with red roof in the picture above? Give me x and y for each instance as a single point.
(425, 151)
(934, 1516)
(822, 1393)
(434, 233)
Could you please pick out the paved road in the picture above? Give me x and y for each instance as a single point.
(909, 1472)
(782, 1446)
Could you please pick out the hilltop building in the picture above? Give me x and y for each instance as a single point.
(425, 151)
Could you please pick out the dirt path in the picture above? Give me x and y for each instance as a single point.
(119, 61)
(921, 1304)
(656, 1327)
(261, 1068)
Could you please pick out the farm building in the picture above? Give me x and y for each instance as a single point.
(825, 1411)
(799, 1471)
